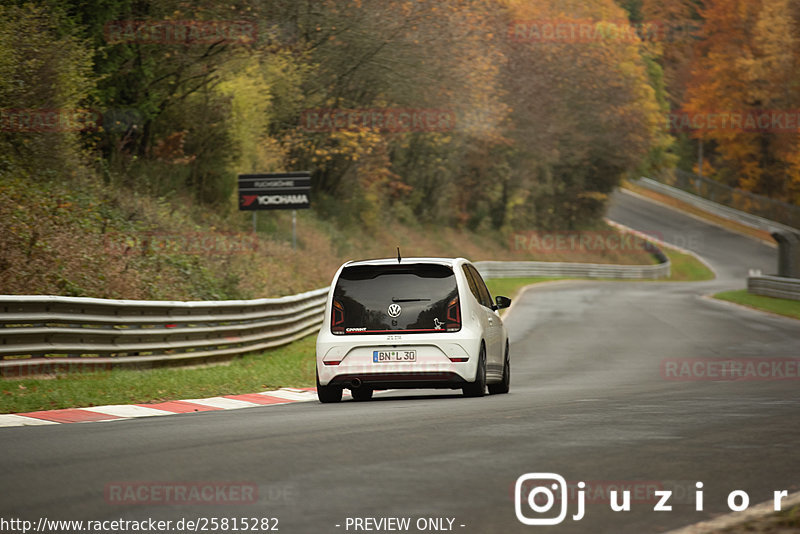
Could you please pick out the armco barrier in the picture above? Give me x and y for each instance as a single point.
(747, 219)
(38, 333)
(732, 197)
(774, 286)
(524, 269)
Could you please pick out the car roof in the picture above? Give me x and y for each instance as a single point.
(450, 262)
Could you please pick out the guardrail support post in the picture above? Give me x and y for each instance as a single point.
(788, 253)
(294, 229)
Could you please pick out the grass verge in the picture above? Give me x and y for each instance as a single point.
(686, 267)
(789, 308)
(288, 366)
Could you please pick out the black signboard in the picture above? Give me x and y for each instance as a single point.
(275, 191)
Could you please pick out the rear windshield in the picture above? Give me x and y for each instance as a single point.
(395, 298)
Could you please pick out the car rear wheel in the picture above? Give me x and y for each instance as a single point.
(478, 388)
(504, 385)
(362, 393)
(327, 394)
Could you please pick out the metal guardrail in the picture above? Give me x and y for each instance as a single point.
(774, 286)
(523, 269)
(38, 333)
(49, 334)
(732, 197)
(747, 219)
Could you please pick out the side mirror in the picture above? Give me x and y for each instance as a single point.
(502, 302)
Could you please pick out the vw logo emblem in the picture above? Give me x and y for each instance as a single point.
(394, 310)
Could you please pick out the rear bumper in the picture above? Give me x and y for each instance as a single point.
(443, 360)
(444, 380)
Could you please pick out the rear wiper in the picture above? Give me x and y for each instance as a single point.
(395, 299)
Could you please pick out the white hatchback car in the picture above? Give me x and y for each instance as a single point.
(411, 323)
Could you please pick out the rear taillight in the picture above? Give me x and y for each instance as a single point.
(337, 318)
(453, 316)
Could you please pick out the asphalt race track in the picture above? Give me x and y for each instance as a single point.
(590, 400)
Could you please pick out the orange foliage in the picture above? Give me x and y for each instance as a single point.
(747, 62)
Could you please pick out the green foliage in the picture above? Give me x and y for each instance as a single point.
(661, 154)
(42, 75)
(686, 267)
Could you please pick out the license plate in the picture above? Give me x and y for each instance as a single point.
(386, 356)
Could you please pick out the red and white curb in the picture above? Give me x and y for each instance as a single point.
(115, 412)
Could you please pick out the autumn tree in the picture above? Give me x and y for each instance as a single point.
(748, 65)
(397, 54)
(585, 112)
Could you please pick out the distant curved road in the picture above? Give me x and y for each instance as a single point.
(588, 401)
(731, 254)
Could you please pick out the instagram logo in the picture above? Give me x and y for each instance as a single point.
(538, 491)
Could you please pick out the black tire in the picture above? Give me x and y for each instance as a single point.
(505, 384)
(478, 388)
(362, 393)
(327, 394)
